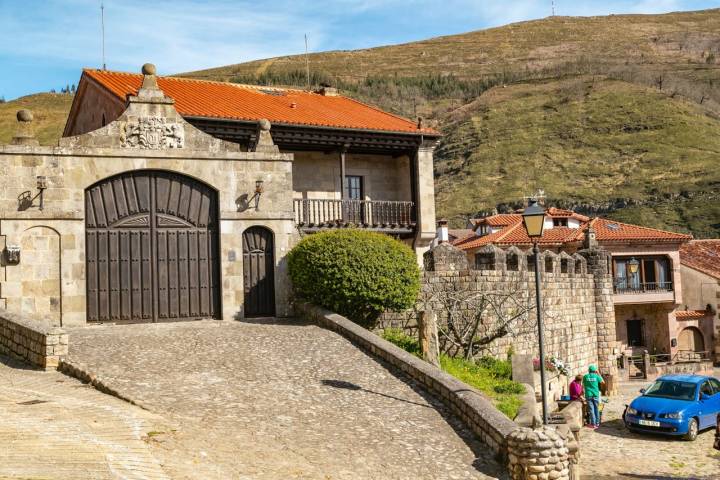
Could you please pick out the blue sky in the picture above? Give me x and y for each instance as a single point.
(44, 44)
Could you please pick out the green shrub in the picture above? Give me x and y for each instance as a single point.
(497, 368)
(355, 273)
(402, 340)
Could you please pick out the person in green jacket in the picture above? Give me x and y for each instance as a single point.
(591, 385)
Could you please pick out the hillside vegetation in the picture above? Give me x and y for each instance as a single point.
(616, 115)
(50, 110)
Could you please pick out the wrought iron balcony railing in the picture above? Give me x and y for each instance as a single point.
(623, 285)
(371, 214)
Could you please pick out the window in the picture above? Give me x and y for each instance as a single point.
(706, 389)
(715, 384)
(652, 275)
(354, 187)
(560, 222)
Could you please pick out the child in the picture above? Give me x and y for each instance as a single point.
(576, 389)
(591, 385)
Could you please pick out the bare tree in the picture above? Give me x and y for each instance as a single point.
(472, 320)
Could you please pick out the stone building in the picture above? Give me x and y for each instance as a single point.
(644, 262)
(171, 199)
(700, 319)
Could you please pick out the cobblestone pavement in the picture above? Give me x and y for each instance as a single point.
(278, 401)
(612, 452)
(54, 427)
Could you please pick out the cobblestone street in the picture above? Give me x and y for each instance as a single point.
(612, 452)
(277, 401)
(53, 427)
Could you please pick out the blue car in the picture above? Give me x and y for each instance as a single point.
(675, 405)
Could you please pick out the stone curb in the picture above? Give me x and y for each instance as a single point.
(475, 411)
(83, 374)
(32, 339)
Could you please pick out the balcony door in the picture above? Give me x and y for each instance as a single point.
(355, 192)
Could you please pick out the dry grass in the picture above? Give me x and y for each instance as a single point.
(50, 111)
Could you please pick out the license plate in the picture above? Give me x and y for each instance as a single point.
(649, 423)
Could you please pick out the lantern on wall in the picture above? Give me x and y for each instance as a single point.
(633, 266)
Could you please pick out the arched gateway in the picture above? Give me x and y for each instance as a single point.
(151, 248)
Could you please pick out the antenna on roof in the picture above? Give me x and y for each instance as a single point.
(307, 63)
(102, 26)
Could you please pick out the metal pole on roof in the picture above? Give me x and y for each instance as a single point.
(102, 26)
(307, 63)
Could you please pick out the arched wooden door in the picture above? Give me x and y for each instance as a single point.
(151, 248)
(691, 340)
(259, 272)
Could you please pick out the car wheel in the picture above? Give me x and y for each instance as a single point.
(692, 432)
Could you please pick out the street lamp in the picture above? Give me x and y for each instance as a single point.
(534, 221)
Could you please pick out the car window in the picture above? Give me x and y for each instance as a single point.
(672, 389)
(706, 389)
(715, 384)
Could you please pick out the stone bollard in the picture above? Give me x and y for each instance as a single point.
(646, 364)
(428, 336)
(540, 454)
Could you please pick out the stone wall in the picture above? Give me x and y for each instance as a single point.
(317, 175)
(37, 341)
(577, 306)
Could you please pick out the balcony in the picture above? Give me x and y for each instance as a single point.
(378, 215)
(642, 292)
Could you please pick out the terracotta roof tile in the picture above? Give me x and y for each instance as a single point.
(702, 255)
(612, 231)
(691, 314)
(512, 232)
(202, 98)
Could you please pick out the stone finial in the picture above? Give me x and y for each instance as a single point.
(24, 115)
(149, 91)
(24, 134)
(149, 69)
(264, 142)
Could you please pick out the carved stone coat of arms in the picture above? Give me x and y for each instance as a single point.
(152, 133)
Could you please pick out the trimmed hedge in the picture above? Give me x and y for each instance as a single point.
(355, 273)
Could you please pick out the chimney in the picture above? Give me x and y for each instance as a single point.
(442, 231)
(328, 91)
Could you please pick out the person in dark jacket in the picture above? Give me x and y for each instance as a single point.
(716, 445)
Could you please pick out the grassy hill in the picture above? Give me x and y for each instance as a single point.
(50, 111)
(615, 115)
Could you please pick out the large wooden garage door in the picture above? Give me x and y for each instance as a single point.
(152, 248)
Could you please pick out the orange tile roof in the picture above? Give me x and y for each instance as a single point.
(512, 232)
(561, 213)
(702, 255)
(202, 98)
(691, 314)
(612, 231)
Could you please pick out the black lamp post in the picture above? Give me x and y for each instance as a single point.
(534, 221)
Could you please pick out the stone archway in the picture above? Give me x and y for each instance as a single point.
(40, 273)
(152, 248)
(691, 340)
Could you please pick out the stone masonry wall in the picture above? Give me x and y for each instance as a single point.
(569, 292)
(36, 341)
